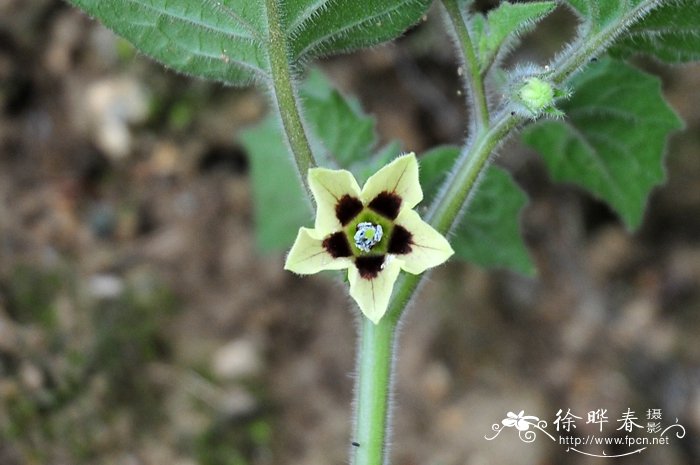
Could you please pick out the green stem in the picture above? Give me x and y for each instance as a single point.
(373, 391)
(377, 341)
(463, 178)
(458, 187)
(588, 46)
(284, 94)
(476, 84)
(453, 198)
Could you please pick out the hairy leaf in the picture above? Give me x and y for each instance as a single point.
(229, 40)
(598, 14)
(503, 25)
(220, 40)
(324, 27)
(343, 135)
(489, 232)
(670, 33)
(613, 140)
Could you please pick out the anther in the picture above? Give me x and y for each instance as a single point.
(367, 235)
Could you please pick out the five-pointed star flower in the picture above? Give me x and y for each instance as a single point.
(372, 231)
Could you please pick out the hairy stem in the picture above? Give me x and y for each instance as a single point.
(456, 191)
(373, 391)
(460, 184)
(377, 342)
(284, 94)
(588, 46)
(455, 194)
(476, 84)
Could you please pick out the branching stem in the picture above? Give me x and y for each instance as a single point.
(458, 187)
(445, 212)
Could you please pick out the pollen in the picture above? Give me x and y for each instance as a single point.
(367, 235)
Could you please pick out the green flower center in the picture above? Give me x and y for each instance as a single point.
(370, 233)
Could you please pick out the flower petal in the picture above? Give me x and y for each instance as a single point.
(372, 295)
(308, 255)
(429, 248)
(328, 188)
(399, 177)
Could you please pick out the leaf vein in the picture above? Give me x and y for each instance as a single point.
(188, 20)
(348, 27)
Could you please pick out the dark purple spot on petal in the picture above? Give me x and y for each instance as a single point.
(347, 209)
(387, 204)
(370, 266)
(401, 240)
(337, 245)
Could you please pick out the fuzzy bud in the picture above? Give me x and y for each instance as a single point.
(537, 94)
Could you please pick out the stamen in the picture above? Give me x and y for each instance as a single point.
(367, 235)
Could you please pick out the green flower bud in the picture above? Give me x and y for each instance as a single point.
(537, 94)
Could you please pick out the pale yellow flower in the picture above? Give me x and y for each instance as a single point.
(373, 232)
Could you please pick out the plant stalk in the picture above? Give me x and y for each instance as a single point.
(445, 210)
(475, 82)
(444, 214)
(376, 342)
(588, 46)
(284, 94)
(453, 198)
(373, 391)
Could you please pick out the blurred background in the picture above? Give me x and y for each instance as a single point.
(140, 325)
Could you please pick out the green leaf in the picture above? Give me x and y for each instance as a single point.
(324, 27)
(228, 40)
(614, 138)
(504, 24)
(489, 232)
(598, 14)
(670, 33)
(345, 138)
(345, 131)
(220, 40)
(279, 201)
